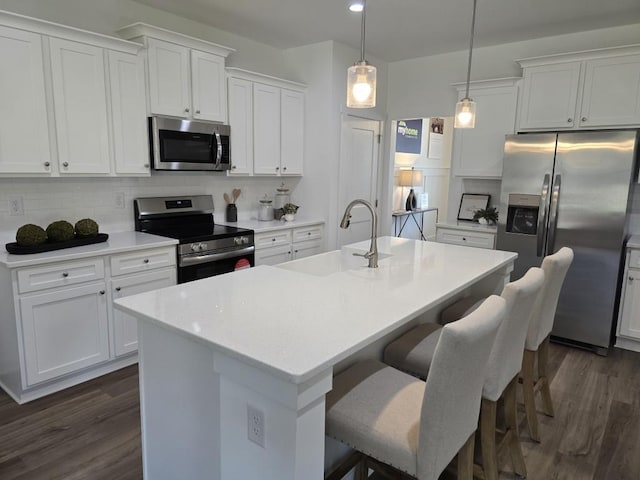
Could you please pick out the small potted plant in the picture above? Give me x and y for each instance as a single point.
(289, 210)
(488, 216)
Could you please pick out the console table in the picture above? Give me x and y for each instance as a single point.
(401, 217)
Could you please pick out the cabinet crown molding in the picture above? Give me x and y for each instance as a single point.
(262, 78)
(489, 83)
(137, 30)
(43, 27)
(579, 56)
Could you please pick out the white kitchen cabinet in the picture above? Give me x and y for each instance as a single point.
(80, 99)
(478, 152)
(128, 113)
(591, 89)
(467, 236)
(628, 334)
(24, 130)
(125, 327)
(186, 75)
(285, 244)
(273, 255)
(266, 115)
(64, 330)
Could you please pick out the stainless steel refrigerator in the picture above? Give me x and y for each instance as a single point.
(571, 189)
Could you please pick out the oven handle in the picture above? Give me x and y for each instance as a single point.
(212, 257)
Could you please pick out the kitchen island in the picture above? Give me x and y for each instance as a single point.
(268, 340)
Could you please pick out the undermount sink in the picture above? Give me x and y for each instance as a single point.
(331, 262)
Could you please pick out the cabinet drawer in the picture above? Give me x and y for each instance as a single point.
(60, 274)
(634, 259)
(470, 239)
(302, 234)
(271, 239)
(141, 261)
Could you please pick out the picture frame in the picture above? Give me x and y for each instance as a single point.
(470, 202)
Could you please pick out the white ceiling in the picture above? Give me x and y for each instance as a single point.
(402, 29)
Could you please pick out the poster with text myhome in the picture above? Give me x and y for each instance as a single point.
(409, 136)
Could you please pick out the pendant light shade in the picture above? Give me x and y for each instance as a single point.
(361, 77)
(466, 108)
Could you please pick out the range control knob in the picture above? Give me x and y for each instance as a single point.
(197, 247)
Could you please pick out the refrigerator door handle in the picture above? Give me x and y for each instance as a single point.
(542, 218)
(553, 213)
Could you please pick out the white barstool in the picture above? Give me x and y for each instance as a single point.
(400, 423)
(412, 352)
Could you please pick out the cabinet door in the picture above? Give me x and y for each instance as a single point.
(292, 132)
(611, 94)
(64, 331)
(241, 122)
(273, 255)
(549, 96)
(125, 327)
(306, 249)
(24, 130)
(208, 88)
(630, 316)
(266, 129)
(478, 151)
(80, 100)
(169, 92)
(128, 113)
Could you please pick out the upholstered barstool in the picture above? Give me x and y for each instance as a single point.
(536, 349)
(403, 424)
(413, 352)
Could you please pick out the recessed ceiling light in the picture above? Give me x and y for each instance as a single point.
(356, 6)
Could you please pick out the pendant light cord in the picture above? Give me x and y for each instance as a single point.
(473, 25)
(364, 10)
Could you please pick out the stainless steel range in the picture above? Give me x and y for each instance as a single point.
(205, 249)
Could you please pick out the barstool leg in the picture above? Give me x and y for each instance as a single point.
(488, 439)
(528, 381)
(543, 359)
(511, 420)
(465, 459)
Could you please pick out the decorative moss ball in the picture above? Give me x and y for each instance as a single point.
(30, 235)
(86, 228)
(60, 231)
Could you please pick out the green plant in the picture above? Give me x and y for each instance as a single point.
(30, 235)
(60, 231)
(489, 214)
(86, 228)
(290, 208)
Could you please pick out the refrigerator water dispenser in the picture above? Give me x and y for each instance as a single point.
(522, 214)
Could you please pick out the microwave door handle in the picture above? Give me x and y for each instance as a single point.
(553, 214)
(542, 214)
(218, 150)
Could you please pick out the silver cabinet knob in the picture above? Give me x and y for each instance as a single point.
(464, 239)
(118, 289)
(631, 279)
(47, 164)
(65, 164)
(284, 168)
(273, 239)
(146, 165)
(197, 111)
(584, 119)
(65, 274)
(146, 260)
(233, 167)
(186, 110)
(102, 292)
(277, 168)
(569, 120)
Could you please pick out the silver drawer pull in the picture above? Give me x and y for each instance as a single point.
(464, 238)
(583, 119)
(631, 279)
(146, 260)
(102, 292)
(569, 120)
(118, 289)
(65, 274)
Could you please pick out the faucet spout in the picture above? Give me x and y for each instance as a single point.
(372, 254)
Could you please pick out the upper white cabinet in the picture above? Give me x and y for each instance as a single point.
(186, 75)
(74, 102)
(477, 152)
(591, 89)
(266, 116)
(24, 129)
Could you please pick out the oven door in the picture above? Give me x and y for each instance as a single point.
(186, 145)
(196, 266)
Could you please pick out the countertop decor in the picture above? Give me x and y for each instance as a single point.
(16, 249)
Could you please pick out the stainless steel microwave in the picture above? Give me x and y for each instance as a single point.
(186, 145)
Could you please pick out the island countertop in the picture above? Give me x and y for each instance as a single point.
(301, 317)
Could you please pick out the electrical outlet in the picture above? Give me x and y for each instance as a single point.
(255, 422)
(118, 199)
(16, 207)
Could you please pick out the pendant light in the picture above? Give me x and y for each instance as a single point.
(466, 108)
(361, 77)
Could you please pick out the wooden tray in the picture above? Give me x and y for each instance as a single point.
(47, 247)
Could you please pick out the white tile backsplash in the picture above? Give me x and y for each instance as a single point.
(48, 199)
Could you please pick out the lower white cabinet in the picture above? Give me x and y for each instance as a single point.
(469, 237)
(629, 316)
(283, 245)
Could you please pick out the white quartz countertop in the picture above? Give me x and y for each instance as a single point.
(116, 243)
(301, 317)
(469, 227)
(634, 241)
(259, 226)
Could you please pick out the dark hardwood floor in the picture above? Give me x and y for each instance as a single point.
(92, 431)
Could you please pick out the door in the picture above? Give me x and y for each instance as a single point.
(80, 99)
(291, 131)
(266, 129)
(241, 122)
(129, 114)
(593, 173)
(168, 78)
(524, 201)
(24, 130)
(126, 326)
(208, 89)
(359, 150)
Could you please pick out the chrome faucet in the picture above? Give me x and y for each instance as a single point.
(372, 254)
